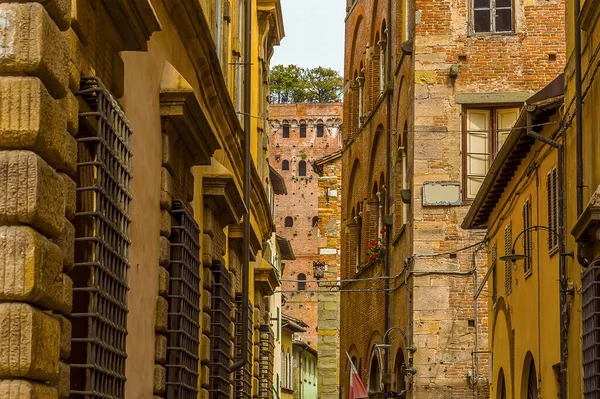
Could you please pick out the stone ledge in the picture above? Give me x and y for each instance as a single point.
(32, 43)
(30, 344)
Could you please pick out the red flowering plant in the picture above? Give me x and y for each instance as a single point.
(376, 248)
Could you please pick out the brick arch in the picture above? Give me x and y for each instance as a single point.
(355, 177)
(355, 33)
(375, 149)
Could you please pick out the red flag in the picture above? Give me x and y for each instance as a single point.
(357, 388)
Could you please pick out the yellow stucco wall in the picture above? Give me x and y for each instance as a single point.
(524, 322)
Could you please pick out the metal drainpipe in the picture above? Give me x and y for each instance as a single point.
(579, 125)
(387, 76)
(476, 314)
(247, 173)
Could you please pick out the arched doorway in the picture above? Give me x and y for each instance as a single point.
(374, 373)
(399, 366)
(501, 391)
(532, 386)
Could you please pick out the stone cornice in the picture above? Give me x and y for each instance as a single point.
(182, 109)
(219, 188)
(135, 20)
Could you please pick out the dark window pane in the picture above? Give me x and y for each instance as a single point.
(482, 3)
(482, 20)
(503, 3)
(504, 20)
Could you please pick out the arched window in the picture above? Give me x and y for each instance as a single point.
(320, 129)
(302, 129)
(285, 165)
(289, 222)
(286, 130)
(302, 168)
(315, 221)
(374, 377)
(301, 282)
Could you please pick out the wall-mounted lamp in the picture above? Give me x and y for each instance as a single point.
(515, 257)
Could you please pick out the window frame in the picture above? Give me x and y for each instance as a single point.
(285, 222)
(493, 139)
(303, 129)
(527, 237)
(493, 9)
(552, 209)
(508, 264)
(284, 163)
(320, 129)
(285, 130)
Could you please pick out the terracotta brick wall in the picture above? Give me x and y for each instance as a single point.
(302, 200)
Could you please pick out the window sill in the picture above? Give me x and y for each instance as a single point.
(492, 34)
(287, 390)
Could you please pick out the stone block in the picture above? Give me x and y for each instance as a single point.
(32, 193)
(165, 223)
(33, 120)
(70, 193)
(205, 323)
(432, 298)
(204, 394)
(163, 281)
(207, 277)
(32, 44)
(29, 343)
(21, 389)
(65, 336)
(74, 78)
(205, 376)
(66, 292)
(63, 384)
(59, 10)
(206, 300)
(207, 249)
(160, 349)
(161, 317)
(160, 379)
(32, 268)
(205, 349)
(166, 189)
(164, 251)
(66, 243)
(70, 107)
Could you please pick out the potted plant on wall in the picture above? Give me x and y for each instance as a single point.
(376, 248)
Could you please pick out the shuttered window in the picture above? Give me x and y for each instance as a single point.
(527, 236)
(495, 272)
(508, 264)
(486, 130)
(552, 190)
(100, 285)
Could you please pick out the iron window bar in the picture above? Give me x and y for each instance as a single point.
(184, 305)
(221, 337)
(100, 282)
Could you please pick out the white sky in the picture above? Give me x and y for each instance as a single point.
(314, 34)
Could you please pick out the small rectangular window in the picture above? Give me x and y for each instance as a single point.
(320, 130)
(508, 264)
(552, 189)
(303, 130)
(286, 131)
(492, 16)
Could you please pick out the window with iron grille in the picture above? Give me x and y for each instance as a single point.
(552, 190)
(507, 264)
(591, 332)
(220, 340)
(491, 16)
(184, 305)
(265, 362)
(242, 385)
(495, 272)
(527, 236)
(100, 289)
